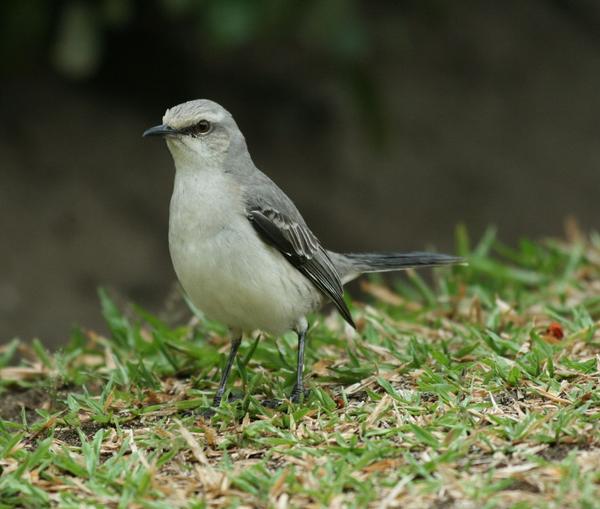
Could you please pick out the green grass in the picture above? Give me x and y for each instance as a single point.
(456, 391)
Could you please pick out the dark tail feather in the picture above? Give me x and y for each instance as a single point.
(383, 262)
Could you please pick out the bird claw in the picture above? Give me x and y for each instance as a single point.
(210, 412)
(271, 403)
(299, 394)
(207, 413)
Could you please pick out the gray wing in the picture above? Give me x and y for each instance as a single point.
(278, 222)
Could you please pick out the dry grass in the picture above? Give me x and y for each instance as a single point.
(479, 390)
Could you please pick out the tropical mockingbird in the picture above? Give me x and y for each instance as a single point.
(241, 250)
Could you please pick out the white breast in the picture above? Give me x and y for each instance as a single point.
(225, 268)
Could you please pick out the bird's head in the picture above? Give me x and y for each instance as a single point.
(199, 132)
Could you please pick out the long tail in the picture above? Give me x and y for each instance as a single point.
(351, 265)
(384, 262)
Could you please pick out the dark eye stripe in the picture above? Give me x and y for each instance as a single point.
(200, 128)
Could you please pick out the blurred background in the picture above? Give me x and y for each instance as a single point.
(387, 122)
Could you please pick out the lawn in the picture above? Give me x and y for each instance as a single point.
(477, 387)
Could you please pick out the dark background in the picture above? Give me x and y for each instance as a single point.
(388, 122)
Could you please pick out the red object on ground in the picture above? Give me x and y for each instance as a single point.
(555, 330)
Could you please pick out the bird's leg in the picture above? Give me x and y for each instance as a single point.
(298, 390)
(235, 344)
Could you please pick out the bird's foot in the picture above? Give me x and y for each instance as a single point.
(210, 412)
(207, 413)
(271, 403)
(299, 394)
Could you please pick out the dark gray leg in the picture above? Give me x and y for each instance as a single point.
(298, 390)
(235, 344)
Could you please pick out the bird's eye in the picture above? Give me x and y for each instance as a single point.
(202, 127)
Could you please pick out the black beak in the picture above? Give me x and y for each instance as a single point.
(159, 130)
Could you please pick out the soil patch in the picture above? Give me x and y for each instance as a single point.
(17, 401)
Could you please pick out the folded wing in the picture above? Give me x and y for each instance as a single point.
(302, 249)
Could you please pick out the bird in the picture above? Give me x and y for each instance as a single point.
(241, 250)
